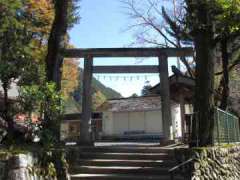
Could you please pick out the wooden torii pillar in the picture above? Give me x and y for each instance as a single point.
(89, 69)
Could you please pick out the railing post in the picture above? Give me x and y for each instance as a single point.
(237, 121)
(197, 129)
(171, 176)
(218, 135)
(237, 129)
(234, 128)
(228, 130)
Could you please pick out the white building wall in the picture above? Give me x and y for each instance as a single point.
(117, 123)
(153, 122)
(107, 123)
(63, 131)
(188, 109)
(176, 121)
(136, 121)
(120, 122)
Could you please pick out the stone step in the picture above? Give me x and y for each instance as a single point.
(121, 177)
(130, 156)
(124, 163)
(120, 170)
(127, 149)
(121, 162)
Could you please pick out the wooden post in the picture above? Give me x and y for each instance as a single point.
(165, 97)
(85, 126)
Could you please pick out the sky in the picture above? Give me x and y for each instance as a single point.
(103, 25)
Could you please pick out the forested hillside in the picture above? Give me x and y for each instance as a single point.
(109, 93)
(72, 88)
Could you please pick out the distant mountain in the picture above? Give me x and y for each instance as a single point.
(71, 106)
(100, 94)
(109, 93)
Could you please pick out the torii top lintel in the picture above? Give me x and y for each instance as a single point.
(128, 52)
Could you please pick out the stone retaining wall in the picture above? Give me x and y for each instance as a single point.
(22, 167)
(19, 167)
(3, 165)
(222, 163)
(215, 163)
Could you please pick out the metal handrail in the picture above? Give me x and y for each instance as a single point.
(226, 112)
(171, 171)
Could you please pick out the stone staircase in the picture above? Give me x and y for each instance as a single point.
(124, 163)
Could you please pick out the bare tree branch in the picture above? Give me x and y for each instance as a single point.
(147, 21)
(234, 58)
(148, 17)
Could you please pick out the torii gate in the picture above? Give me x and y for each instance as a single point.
(89, 69)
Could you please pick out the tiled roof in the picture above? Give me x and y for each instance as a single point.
(184, 80)
(132, 104)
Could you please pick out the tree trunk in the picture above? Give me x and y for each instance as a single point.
(204, 90)
(203, 35)
(56, 42)
(54, 58)
(6, 115)
(5, 99)
(225, 78)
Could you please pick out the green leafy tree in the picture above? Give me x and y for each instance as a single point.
(15, 49)
(32, 99)
(24, 29)
(201, 24)
(145, 89)
(227, 31)
(211, 23)
(134, 95)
